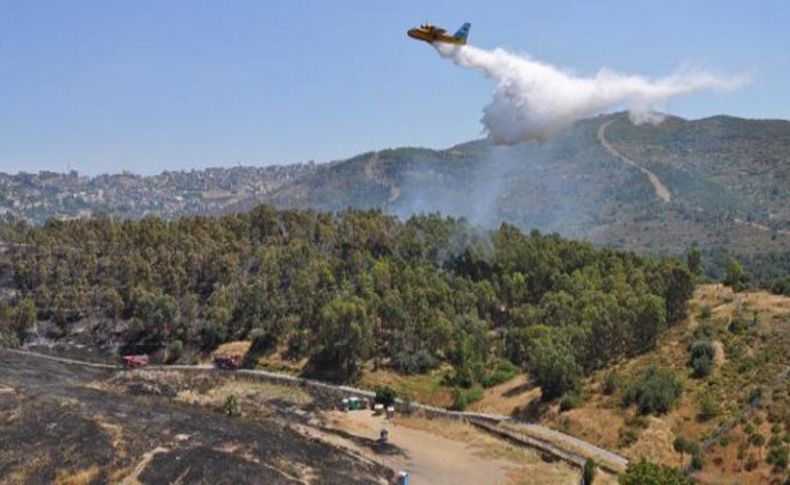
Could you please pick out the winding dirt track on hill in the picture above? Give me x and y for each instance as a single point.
(373, 172)
(662, 192)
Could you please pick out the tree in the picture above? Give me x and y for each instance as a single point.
(156, 315)
(24, 316)
(261, 342)
(679, 289)
(694, 260)
(650, 321)
(735, 276)
(111, 303)
(342, 339)
(553, 367)
(470, 351)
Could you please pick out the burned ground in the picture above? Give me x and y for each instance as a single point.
(61, 422)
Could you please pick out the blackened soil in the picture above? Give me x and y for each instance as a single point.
(57, 422)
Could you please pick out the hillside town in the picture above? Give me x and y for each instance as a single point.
(38, 196)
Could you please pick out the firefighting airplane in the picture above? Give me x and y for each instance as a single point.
(430, 33)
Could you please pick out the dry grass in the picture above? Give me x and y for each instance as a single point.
(115, 433)
(245, 390)
(596, 424)
(276, 362)
(81, 477)
(532, 468)
(425, 388)
(654, 443)
(600, 418)
(507, 397)
(237, 347)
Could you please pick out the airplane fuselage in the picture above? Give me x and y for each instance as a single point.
(434, 35)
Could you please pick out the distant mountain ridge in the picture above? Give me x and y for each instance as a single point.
(726, 179)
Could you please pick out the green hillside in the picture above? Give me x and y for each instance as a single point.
(727, 180)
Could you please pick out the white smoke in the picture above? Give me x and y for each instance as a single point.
(534, 100)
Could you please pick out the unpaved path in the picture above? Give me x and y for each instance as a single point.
(373, 172)
(662, 192)
(428, 457)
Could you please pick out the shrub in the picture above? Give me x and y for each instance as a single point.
(702, 366)
(705, 313)
(504, 370)
(697, 461)
(588, 473)
(781, 286)
(737, 325)
(627, 436)
(756, 396)
(231, 406)
(654, 393)
(385, 395)
(568, 402)
(645, 473)
(751, 463)
(611, 383)
(757, 440)
(708, 407)
(702, 354)
(418, 362)
(8, 339)
(778, 457)
(741, 452)
(705, 331)
(463, 398)
(681, 446)
(174, 350)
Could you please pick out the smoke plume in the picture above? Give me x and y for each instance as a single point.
(534, 100)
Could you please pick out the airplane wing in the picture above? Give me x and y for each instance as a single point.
(438, 30)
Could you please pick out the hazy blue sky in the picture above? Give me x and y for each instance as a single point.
(109, 85)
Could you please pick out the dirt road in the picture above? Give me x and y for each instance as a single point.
(432, 458)
(662, 192)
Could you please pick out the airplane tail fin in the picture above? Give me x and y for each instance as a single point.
(463, 32)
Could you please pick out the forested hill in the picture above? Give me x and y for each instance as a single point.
(726, 182)
(342, 290)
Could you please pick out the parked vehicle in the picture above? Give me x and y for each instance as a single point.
(134, 361)
(227, 362)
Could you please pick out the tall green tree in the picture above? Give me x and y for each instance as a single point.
(342, 339)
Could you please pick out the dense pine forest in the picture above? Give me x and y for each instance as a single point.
(344, 290)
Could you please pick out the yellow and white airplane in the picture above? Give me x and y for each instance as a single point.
(430, 33)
